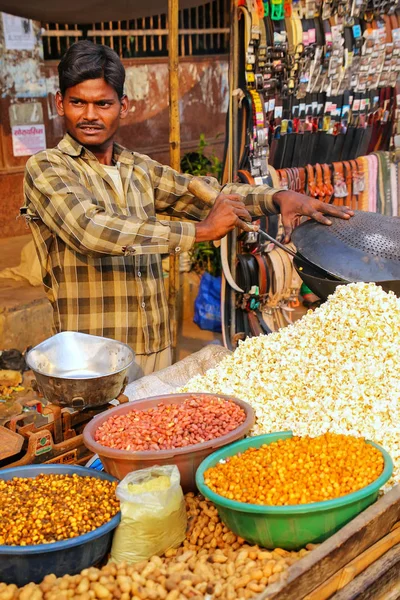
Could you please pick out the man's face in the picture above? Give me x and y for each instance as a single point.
(92, 111)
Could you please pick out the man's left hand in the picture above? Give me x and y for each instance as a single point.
(293, 205)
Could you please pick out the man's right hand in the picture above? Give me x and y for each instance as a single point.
(227, 213)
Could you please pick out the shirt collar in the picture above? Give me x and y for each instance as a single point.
(70, 146)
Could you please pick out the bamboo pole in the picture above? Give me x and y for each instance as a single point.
(174, 148)
(233, 134)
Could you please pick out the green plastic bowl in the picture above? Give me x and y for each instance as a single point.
(287, 527)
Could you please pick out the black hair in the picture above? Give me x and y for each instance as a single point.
(85, 60)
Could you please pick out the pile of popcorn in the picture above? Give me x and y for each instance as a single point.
(337, 369)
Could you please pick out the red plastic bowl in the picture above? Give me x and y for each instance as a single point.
(121, 462)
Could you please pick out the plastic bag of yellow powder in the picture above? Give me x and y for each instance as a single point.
(153, 514)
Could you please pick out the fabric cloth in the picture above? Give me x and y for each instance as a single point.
(29, 268)
(101, 262)
(146, 364)
(167, 381)
(115, 175)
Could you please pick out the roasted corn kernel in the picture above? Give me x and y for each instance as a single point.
(50, 508)
(297, 470)
(336, 369)
(212, 562)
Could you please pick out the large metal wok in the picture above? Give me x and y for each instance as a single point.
(79, 370)
(326, 285)
(364, 248)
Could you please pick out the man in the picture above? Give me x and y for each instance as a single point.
(92, 205)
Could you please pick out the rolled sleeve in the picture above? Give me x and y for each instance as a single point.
(182, 236)
(259, 199)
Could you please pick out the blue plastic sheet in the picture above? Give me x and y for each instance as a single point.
(207, 306)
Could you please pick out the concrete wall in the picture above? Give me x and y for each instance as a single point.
(28, 85)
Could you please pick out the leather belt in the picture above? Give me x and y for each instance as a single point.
(339, 185)
(263, 275)
(328, 187)
(356, 184)
(349, 184)
(247, 272)
(302, 181)
(320, 187)
(311, 183)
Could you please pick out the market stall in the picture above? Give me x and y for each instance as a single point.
(284, 517)
(293, 439)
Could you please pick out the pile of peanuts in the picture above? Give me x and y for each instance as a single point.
(297, 470)
(198, 419)
(212, 561)
(49, 508)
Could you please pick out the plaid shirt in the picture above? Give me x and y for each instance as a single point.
(100, 254)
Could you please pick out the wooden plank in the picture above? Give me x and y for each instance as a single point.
(356, 566)
(392, 594)
(379, 579)
(146, 32)
(62, 33)
(355, 537)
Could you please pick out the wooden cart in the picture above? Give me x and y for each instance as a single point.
(361, 561)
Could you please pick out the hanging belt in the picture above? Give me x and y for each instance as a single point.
(319, 188)
(302, 181)
(311, 183)
(362, 167)
(339, 184)
(355, 184)
(282, 112)
(362, 148)
(263, 274)
(349, 184)
(328, 187)
(292, 120)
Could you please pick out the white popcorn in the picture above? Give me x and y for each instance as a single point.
(337, 369)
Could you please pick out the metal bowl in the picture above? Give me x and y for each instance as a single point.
(79, 370)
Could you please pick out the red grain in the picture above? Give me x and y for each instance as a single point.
(168, 426)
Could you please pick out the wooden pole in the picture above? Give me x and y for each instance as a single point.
(174, 148)
(233, 162)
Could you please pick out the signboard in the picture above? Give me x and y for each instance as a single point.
(28, 139)
(18, 33)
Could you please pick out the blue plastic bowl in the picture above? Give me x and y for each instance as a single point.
(22, 564)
